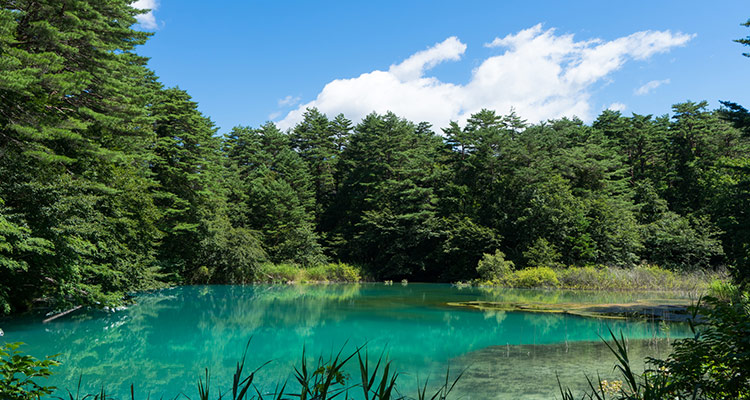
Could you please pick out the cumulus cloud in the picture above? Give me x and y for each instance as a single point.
(450, 49)
(649, 86)
(617, 107)
(146, 20)
(540, 73)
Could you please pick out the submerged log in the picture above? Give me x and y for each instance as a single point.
(62, 314)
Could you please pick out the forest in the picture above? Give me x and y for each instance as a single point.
(111, 183)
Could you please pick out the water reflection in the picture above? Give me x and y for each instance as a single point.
(163, 342)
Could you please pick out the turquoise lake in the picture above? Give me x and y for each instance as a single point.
(164, 341)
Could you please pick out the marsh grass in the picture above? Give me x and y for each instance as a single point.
(286, 273)
(640, 277)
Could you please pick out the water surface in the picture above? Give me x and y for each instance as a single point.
(164, 341)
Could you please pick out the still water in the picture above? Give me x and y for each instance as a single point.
(164, 341)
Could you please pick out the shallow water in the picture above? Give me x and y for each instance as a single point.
(164, 341)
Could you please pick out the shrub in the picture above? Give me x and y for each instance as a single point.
(284, 272)
(652, 276)
(714, 363)
(588, 277)
(723, 289)
(535, 277)
(334, 272)
(494, 267)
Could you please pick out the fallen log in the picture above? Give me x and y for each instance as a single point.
(62, 314)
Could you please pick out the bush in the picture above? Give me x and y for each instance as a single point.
(588, 277)
(494, 267)
(334, 272)
(286, 272)
(723, 290)
(278, 273)
(600, 277)
(535, 277)
(715, 362)
(652, 276)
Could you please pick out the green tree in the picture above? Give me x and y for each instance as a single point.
(74, 134)
(200, 242)
(318, 141)
(386, 205)
(278, 198)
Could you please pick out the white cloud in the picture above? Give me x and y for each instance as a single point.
(146, 20)
(414, 67)
(649, 86)
(289, 101)
(617, 107)
(540, 74)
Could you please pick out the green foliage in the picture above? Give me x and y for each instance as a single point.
(19, 373)
(277, 199)
(386, 210)
(463, 242)
(544, 277)
(494, 267)
(112, 183)
(745, 41)
(723, 290)
(542, 254)
(334, 272)
(713, 364)
(679, 243)
(285, 272)
(74, 137)
(600, 277)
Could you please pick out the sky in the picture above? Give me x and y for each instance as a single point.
(249, 62)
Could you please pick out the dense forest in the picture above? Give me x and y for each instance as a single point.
(111, 182)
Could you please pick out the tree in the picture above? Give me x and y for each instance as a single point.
(74, 136)
(278, 199)
(318, 141)
(386, 205)
(200, 242)
(745, 41)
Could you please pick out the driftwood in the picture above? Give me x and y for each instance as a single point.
(62, 314)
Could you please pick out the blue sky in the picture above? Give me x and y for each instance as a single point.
(248, 62)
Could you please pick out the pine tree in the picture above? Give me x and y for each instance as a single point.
(73, 137)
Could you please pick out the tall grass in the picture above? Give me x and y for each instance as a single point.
(286, 273)
(640, 277)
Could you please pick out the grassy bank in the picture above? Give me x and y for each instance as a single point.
(293, 273)
(640, 277)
